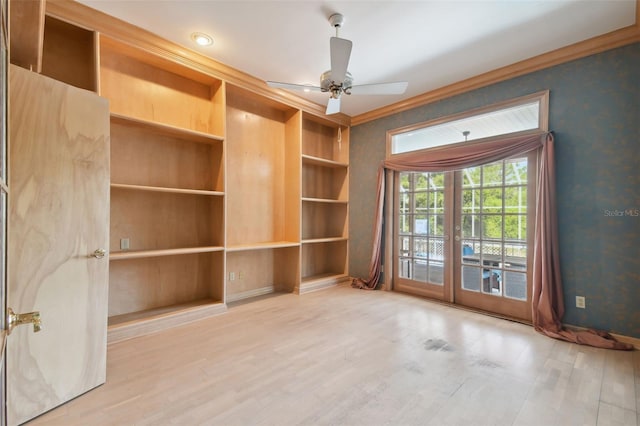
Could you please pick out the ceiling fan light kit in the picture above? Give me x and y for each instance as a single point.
(338, 80)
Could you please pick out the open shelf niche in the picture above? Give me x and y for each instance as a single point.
(167, 233)
(69, 54)
(325, 203)
(263, 195)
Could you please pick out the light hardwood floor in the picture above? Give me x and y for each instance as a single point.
(351, 357)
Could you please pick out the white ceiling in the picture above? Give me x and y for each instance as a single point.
(429, 43)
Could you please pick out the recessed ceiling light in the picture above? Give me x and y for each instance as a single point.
(202, 39)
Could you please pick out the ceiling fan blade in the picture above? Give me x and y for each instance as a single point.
(333, 106)
(340, 53)
(289, 86)
(396, 88)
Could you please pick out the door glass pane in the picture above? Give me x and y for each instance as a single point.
(515, 285)
(421, 227)
(515, 199)
(420, 247)
(471, 226)
(404, 181)
(404, 268)
(404, 203)
(420, 224)
(436, 180)
(436, 272)
(492, 174)
(515, 227)
(515, 172)
(470, 200)
(492, 200)
(437, 225)
(471, 177)
(421, 181)
(436, 201)
(492, 226)
(471, 278)
(404, 224)
(494, 231)
(420, 270)
(436, 249)
(421, 202)
(404, 246)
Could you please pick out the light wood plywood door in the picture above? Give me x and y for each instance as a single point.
(58, 217)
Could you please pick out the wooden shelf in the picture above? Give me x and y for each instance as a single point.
(137, 254)
(167, 129)
(324, 240)
(169, 190)
(262, 246)
(323, 162)
(126, 326)
(324, 200)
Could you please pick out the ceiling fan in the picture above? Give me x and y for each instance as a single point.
(338, 80)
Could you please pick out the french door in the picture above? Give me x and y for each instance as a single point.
(464, 236)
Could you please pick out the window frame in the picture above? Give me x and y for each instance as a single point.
(543, 122)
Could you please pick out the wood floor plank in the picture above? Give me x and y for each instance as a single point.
(343, 356)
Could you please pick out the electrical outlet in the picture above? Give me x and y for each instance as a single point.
(581, 302)
(124, 244)
(232, 276)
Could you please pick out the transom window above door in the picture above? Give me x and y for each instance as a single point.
(520, 115)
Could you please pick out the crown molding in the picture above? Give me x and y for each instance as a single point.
(91, 19)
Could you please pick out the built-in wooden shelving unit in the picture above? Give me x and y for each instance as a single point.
(222, 189)
(167, 191)
(325, 203)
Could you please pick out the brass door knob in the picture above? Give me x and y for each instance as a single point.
(99, 253)
(14, 319)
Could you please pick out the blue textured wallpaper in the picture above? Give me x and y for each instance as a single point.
(595, 116)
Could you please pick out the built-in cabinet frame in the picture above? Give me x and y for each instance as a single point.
(221, 189)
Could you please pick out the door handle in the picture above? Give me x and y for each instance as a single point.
(98, 254)
(14, 320)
